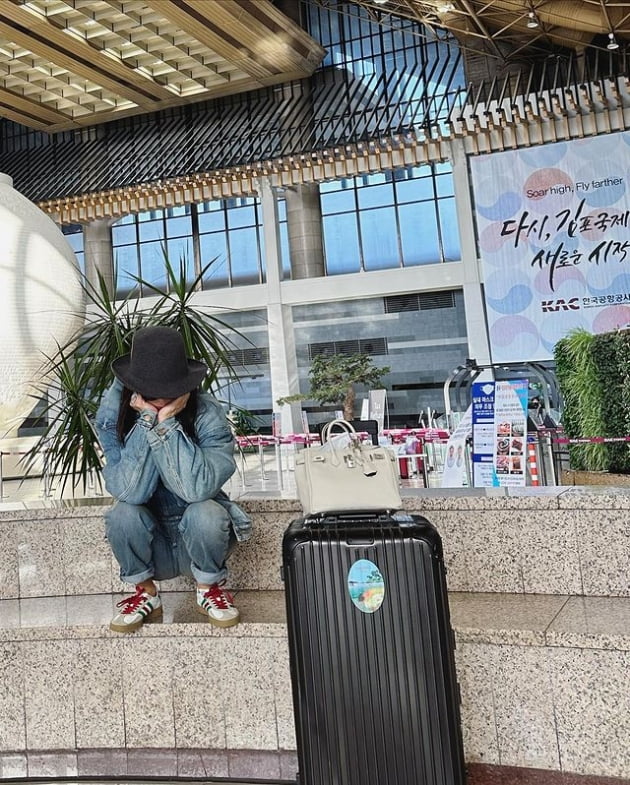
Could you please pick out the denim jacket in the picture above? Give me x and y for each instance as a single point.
(160, 466)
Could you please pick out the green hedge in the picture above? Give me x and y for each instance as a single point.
(593, 373)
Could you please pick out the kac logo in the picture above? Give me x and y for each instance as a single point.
(560, 305)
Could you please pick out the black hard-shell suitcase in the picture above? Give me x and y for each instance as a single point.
(375, 694)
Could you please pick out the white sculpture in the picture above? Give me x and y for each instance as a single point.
(41, 300)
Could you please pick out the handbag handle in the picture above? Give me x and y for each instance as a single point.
(343, 425)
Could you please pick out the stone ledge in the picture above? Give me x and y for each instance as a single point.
(198, 765)
(156, 765)
(566, 542)
(414, 500)
(497, 619)
(544, 681)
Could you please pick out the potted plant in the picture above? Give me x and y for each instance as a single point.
(333, 379)
(76, 377)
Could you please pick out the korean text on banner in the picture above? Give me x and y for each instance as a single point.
(553, 225)
(499, 417)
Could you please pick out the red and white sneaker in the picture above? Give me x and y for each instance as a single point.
(217, 605)
(135, 610)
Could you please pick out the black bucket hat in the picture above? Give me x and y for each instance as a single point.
(157, 366)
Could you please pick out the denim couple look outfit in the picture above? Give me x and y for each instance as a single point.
(171, 516)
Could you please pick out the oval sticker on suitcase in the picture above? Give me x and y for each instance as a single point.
(366, 586)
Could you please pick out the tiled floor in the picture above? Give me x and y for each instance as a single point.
(522, 619)
(38, 614)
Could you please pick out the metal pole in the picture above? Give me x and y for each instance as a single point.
(47, 478)
(278, 450)
(468, 462)
(425, 463)
(549, 455)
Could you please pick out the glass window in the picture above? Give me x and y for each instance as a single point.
(418, 233)
(180, 251)
(74, 235)
(341, 244)
(244, 260)
(214, 253)
(75, 241)
(333, 185)
(126, 259)
(449, 230)
(261, 254)
(124, 283)
(241, 216)
(123, 235)
(152, 215)
(151, 230)
(126, 266)
(212, 221)
(444, 184)
(338, 201)
(152, 269)
(174, 212)
(376, 195)
(444, 167)
(372, 179)
(284, 249)
(415, 190)
(209, 207)
(179, 227)
(379, 239)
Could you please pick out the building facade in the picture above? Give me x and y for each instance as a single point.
(333, 214)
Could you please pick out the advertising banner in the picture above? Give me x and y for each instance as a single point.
(499, 427)
(376, 407)
(554, 239)
(454, 474)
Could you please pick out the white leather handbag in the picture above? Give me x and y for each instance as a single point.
(355, 477)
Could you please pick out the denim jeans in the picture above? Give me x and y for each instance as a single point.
(195, 542)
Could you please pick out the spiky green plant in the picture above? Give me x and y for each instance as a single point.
(76, 377)
(206, 336)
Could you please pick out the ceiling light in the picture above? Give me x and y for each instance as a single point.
(612, 43)
(379, 2)
(532, 22)
(445, 8)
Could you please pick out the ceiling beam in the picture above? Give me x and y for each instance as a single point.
(197, 25)
(29, 113)
(34, 110)
(480, 26)
(256, 38)
(169, 41)
(32, 31)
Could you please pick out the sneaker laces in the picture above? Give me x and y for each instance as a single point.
(133, 602)
(219, 597)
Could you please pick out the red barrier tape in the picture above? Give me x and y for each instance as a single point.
(583, 439)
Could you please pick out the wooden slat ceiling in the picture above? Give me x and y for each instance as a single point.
(73, 63)
(499, 28)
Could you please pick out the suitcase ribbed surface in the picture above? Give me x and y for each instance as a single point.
(375, 695)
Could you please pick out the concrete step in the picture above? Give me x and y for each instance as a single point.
(566, 541)
(545, 684)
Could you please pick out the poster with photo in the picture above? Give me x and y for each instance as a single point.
(499, 416)
(455, 474)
